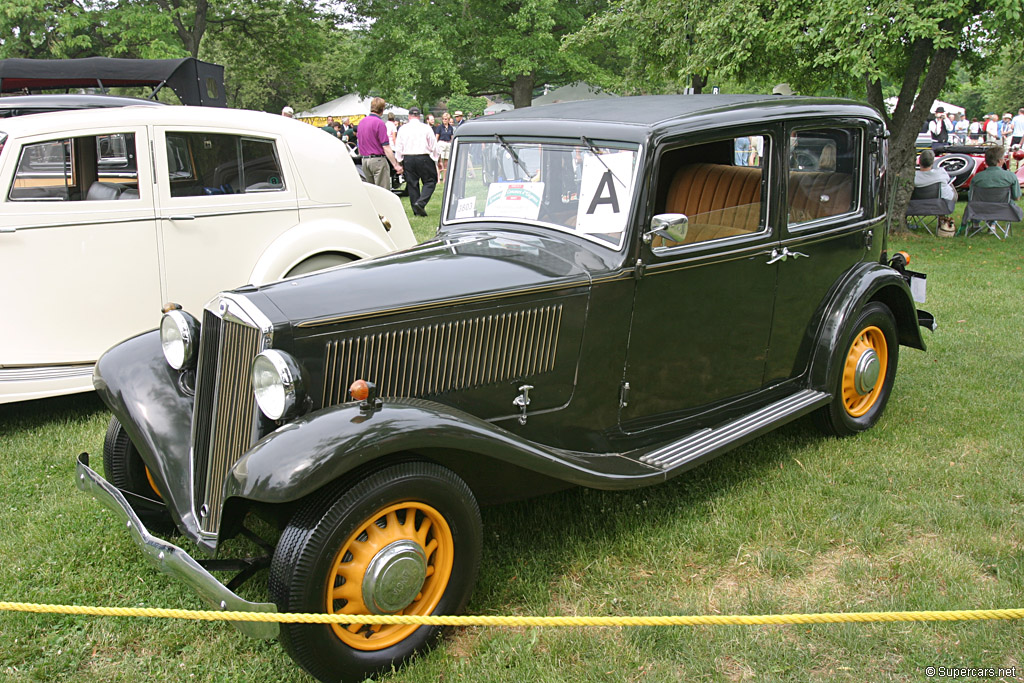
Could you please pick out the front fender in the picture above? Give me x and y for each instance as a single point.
(872, 282)
(302, 456)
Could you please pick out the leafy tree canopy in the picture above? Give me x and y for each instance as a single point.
(478, 47)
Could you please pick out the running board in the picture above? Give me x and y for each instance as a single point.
(709, 440)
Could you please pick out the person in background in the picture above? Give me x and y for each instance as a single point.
(960, 129)
(392, 127)
(458, 118)
(939, 129)
(992, 129)
(444, 134)
(1006, 132)
(288, 112)
(330, 127)
(416, 150)
(375, 146)
(974, 131)
(994, 175)
(1017, 128)
(929, 175)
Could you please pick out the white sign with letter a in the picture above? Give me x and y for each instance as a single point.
(606, 191)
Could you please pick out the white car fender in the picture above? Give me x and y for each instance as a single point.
(390, 206)
(320, 236)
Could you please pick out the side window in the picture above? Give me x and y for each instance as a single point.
(217, 163)
(824, 168)
(91, 167)
(720, 186)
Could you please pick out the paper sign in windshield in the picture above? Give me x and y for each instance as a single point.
(514, 200)
(466, 208)
(606, 191)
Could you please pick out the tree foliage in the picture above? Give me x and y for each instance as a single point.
(845, 47)
(431, 48)
(275, 52)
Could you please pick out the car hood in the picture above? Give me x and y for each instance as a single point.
(444, 271)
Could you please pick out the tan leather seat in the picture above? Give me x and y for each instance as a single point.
(723, 201)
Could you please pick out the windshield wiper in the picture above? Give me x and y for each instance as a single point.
(512, 153)
(596, 153)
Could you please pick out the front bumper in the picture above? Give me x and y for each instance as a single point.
(172, 560)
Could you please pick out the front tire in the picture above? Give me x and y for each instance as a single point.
(124, 468)
(404, 540)
(862, 374)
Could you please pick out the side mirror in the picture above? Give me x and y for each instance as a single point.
(668, 226)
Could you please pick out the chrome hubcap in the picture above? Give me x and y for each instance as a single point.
(394, 577)
(865, 376)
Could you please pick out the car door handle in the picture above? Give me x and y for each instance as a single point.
(8, 230)
(777, 255)
(181, 218)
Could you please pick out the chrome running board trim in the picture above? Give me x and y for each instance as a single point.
(707, 440)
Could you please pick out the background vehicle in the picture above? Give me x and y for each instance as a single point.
(614, 296)
(156, 205)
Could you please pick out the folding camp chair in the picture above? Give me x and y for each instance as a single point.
(990, 209)
(927, 203)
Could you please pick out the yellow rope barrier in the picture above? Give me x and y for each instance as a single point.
(476, 620)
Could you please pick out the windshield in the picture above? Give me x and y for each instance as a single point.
(581, 186)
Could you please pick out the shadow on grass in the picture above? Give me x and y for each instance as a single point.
(531, 544)
(46, 411)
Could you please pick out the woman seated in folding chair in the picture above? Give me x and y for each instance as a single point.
(992, 197)
(933, 192)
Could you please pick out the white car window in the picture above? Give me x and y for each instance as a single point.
(208, 164)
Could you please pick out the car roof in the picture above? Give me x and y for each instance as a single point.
(30, 104)
(135, 115)
(636, 118)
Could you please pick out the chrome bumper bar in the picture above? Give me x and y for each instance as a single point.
(172, 560)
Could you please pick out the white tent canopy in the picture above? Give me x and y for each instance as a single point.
(347, 105)
(890, 104)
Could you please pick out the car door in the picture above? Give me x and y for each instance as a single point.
(78, 250)
(702, 308)
(224, 196)
(825, 232)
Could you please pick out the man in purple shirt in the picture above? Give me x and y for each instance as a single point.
(375, 147)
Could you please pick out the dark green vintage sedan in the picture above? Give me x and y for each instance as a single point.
(618, 291)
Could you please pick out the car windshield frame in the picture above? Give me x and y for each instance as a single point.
(603, 166)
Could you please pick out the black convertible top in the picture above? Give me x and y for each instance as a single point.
(194, 82)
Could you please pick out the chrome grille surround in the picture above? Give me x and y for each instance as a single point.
(225, 419)
(435, 358)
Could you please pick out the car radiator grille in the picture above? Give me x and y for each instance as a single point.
(223, 422)
(432, 359)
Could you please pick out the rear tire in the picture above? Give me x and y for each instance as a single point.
(404, 540)
(862, 374)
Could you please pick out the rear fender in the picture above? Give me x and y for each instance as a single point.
(872, 282)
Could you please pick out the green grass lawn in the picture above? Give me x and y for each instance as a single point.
(925, 511)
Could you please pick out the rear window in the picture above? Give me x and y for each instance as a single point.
(216, 163)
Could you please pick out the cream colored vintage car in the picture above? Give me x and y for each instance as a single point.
(108, 214)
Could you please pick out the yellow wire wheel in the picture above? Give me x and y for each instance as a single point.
(864, 371)
(401, 554)
(404, 541)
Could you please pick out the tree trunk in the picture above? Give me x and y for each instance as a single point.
(909, 116)
(522, 90)
(698, 84)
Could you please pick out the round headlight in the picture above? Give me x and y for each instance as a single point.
(179, 337)
(277, 383)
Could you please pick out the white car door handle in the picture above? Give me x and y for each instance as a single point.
(8, 230)
(181, 218)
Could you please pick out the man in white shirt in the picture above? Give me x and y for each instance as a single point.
(940, 128)
(416, 149)
(1018, 128)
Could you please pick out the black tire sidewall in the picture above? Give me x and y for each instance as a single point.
(122, 463)
(309, 545)
(835, 418)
